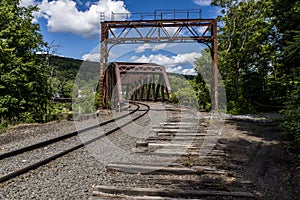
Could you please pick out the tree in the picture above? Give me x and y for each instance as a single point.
(246, 54)
(183, 92)
(202, 82)
(24, 90)
(259, 58)
(287, 21)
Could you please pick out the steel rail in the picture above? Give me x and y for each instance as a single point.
(60, 138)
(55, 156)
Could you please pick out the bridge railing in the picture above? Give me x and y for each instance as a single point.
(158, 15)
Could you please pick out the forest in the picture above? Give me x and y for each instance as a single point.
(259, 62)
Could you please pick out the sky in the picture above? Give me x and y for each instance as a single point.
(74, 27)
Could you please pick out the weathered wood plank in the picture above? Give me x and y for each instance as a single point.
(183, 152)
(180, 134)
(179, 123)
(177, 138)
(141, 144)
(176, 127)
(171, 145)
(135, 191)
(151, 169)
(173, 130)
(106, 196)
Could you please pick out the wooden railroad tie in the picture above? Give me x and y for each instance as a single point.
(100, 190)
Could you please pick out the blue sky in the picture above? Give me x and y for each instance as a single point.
(74, 26)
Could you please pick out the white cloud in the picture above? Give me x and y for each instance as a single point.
(172, 30)
(95, 57)
(63, 16)
(172, 63)
(143, 47)
(202, 2)
(202, 29)
(91, 57)
(27, 3)
(189, 71)
(161, 59)
(161, 46)
(153, 47)
(177, 69)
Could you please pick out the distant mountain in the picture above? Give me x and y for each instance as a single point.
(67, 68)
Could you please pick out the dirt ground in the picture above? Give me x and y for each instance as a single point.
(257, 157)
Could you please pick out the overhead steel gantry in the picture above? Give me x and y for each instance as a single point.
(160, 29)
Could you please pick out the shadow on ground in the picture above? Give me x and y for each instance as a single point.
(256, 149)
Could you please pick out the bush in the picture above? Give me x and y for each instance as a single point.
(26, 117)
(291, 122)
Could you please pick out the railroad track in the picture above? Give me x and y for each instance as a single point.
(66, 145)
(187, 176)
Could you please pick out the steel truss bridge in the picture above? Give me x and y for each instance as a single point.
(135, 81)
(159, 27)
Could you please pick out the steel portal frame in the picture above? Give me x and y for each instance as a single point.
(148, 79)
(159, 31)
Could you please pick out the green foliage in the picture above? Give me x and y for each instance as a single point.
(202, 82)
(291, 121)
(174, 99)
(183, 92)
(259, 58)
(246, 56)
(64, 71)
(86, 96)
(85, 103)
(187, 96)
(26, 117)
(24, 91)
(287, 21)
(67, 89)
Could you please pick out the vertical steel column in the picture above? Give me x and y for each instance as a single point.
(127, 91)
(162, 91)
(148, 89)
(135, 90)
(215, 105)
(153, 87)
(106, 87)
(103, 59)
(158, 87)
(119, 84)
(141, 90)
(168, 87)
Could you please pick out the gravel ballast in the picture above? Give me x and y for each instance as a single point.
(74, 175)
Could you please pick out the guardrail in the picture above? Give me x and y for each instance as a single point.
(158, 15)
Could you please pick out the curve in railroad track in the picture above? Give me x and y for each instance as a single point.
(64, 137)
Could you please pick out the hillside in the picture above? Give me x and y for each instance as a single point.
(64, 72)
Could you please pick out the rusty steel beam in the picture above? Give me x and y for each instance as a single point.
(200, 39)
(215, 68)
